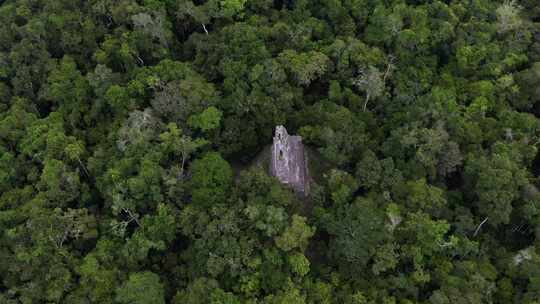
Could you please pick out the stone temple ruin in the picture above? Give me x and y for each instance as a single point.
(288, 161)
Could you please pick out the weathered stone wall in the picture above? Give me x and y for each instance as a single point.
(288, 161)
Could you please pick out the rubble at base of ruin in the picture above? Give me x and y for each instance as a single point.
(288, 161)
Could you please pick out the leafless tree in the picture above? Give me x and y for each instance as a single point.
(371, 82)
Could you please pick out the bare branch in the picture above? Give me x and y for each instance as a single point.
(132, 217)
(389, 67)
(479, 226)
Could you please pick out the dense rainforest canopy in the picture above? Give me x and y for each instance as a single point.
(123, 125)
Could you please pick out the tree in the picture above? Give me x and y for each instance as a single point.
(139, 128)
(528, 89)
(211, 180)
(427, 234)
(73, 224)
(208, 120)
(341, 186)
(61, 185)
(290, 295)
(68, 90)
(118, 99)
(155, 232)
(305, 67)
(427, 148)
(98, 282)
(15, 121)
(154, 26)
(7, 172)
(299, 264)
(421, 196)
(496, 180)
(134, 138)
(508, 18)
(297, 235)
(357, 230)
(141, 288)
(371, 82)
(369, 170)
(338, 132)
(173, 141)
(178, 92)
(202, 291)
(216, 230)
(230, 8)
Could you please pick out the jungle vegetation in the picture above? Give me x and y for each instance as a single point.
(121, 122)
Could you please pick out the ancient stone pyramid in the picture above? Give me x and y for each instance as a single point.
(288, 161)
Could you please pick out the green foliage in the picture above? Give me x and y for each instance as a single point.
(508, 18)
(299, 264)
(97, 281)
(306, 67)
(229, 8)
(209, 119)
(296, 235)
(155, 232)
(129, 135)
(371, 82)
(203, 291)
(141, 288)
(358, 229)
(211, 180)
(497, 180)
